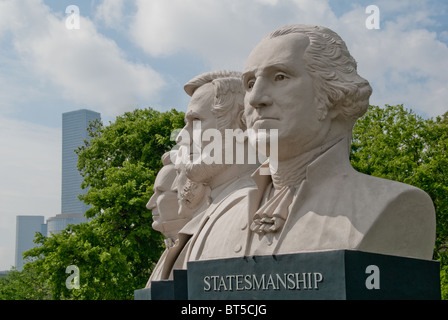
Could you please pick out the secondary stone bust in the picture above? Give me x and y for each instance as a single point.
(302, 81)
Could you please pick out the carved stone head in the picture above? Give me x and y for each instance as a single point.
(302, 80)
(217, 103)
(163, 202)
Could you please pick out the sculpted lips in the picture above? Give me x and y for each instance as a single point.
(259, 118)
(264, 118)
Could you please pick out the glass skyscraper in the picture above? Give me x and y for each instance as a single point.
(74, 131)
(61, 221)
(26, 228)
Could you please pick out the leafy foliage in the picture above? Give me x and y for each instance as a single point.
(24, 285)
(116, 248)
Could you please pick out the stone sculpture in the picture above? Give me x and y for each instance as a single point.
(193, 197)
(164, 207)
(301, 81)
(218, 103)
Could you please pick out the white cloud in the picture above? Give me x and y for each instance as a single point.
(30, 171)
(220, 32)
(110, 12)
(30, 154)
(404, 62)
(88, 68)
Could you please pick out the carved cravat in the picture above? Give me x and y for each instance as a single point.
(273, 212)
(170, 242)
(272, 215)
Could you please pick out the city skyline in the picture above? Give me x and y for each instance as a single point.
(75, 126)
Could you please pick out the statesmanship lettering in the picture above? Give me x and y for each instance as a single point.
(276, 281)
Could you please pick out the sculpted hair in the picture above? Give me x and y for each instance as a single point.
(228, 105)
(207, 77)
(334, 72)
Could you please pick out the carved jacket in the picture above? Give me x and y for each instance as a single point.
(334, 208)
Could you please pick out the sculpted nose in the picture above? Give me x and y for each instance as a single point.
(259, 96)
(151, 203)
(184, 138)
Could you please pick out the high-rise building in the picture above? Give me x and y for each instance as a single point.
(61, 221)
(74, 132)
(26, 228)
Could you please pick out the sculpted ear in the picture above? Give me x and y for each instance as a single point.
(323, 112)
(333, 113)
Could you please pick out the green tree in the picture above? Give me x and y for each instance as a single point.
(24, 285)
(117, 248)
(396, 144)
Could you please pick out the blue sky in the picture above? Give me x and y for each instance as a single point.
(139, 53)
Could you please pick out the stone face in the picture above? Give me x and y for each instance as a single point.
(299, 95)
(164, 206)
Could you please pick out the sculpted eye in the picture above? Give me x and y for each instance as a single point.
(280, 77)
(250, 84)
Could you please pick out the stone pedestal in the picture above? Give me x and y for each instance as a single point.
(340, 274)
(335, 275)
(166, 289)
